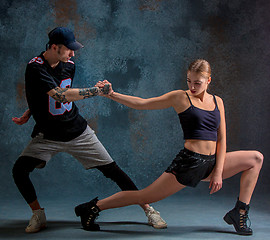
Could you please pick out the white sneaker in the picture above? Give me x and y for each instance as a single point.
(154, 218)
(37, 221)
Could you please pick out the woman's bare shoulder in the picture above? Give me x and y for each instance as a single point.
(178, 93)
(219, 101)
(180, 102)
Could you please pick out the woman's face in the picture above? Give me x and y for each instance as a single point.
(197, 83)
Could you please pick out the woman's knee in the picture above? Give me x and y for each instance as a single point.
(255, 160)
(258, 159)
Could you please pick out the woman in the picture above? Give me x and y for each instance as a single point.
(203, 158)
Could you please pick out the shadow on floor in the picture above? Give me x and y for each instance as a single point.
(18, 226)
(110, 230)
(172, 230)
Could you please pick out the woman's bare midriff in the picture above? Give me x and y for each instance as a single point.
(201, 146)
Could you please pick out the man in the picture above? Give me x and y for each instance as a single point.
(60, 128)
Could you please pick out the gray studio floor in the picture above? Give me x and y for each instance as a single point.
(188, 217)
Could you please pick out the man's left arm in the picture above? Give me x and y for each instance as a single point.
(23, 119)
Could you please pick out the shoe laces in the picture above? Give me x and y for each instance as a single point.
(92, 217)
(151, 211)
(243, 221)
(34, 219)
(154, 216)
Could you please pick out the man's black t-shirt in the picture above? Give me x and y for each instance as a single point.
(57, 121)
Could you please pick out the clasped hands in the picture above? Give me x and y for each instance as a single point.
(105, 87)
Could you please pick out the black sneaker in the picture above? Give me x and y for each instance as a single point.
(88, 212)
(239, 220)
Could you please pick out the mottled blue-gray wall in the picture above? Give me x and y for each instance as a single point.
(143, 47)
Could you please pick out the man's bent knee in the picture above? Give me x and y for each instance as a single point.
(25, 165)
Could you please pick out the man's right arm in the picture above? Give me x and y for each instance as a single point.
(64, 95)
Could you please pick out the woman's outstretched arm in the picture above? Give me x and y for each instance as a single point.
(170, 99)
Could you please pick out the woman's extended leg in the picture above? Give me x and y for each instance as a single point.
(115, 173)
(163, 187)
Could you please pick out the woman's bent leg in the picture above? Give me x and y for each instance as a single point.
(247, 162)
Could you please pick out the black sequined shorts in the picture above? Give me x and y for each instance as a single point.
(190, 167)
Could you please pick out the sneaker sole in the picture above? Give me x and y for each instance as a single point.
(36, 230)
(158, 226)
(94, 228)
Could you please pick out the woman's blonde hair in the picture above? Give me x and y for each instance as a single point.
(200, 66)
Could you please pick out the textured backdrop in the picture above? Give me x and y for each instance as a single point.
(143, 47)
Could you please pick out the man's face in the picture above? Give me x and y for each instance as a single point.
(64, 53)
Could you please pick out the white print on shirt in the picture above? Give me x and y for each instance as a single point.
(37, 60)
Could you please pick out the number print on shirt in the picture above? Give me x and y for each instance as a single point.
(56, 108)
(37, 60)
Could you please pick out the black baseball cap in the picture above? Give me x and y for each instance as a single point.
(63, 35)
